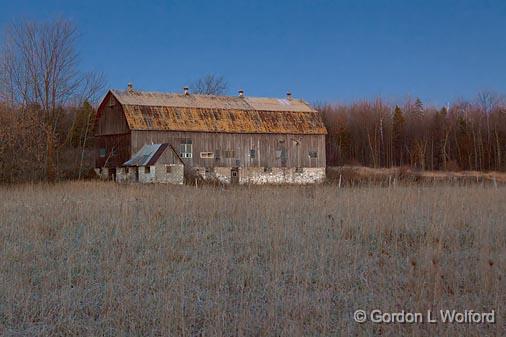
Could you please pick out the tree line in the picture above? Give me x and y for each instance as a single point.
(466, 135)
(47, 114)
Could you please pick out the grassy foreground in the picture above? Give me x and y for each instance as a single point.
(100, 259)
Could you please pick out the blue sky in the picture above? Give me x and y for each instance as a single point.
(323, 51)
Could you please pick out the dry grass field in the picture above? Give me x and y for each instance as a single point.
(100, 259)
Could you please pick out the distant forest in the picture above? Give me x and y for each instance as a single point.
(47, 112)
(467, 135)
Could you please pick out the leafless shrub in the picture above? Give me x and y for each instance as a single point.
(210, 84)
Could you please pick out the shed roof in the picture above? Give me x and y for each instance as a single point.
(147, 155)
(207, 113)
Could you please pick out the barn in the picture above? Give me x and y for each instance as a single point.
(237, 139)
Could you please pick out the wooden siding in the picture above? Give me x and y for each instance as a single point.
(265, 146)
(111, 118)
(122, 150)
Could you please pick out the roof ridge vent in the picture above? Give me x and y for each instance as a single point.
(130, 88)
(186, 91)
(241, 93)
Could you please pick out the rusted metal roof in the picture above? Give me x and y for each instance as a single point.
(149, 154)
(206, 113)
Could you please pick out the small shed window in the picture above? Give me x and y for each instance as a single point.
(147, 169)
(168, 169)
(185, 148)
(313, 154)
(102, 152)
(252, 153)
(206, 155)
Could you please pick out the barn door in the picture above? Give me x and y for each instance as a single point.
(234, 178)
(284, 157)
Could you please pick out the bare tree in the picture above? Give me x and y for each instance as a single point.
(39, 69)
(210, 84)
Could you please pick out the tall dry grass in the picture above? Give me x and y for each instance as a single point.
(100, 259)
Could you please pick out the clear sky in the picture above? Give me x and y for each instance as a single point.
(323, 51)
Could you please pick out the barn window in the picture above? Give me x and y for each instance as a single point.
(114, 152)
(147, 169)
(168, 169)
(281, 154)
(313, 154)
(252, 153)
(102, 152)
(229, 154)
(206, 155)
(185, 148)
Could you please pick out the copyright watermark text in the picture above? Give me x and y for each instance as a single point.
(440, 316)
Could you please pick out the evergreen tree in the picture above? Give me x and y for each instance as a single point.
(83, 125)
(418, 110)
(438, 130)
(398, 136)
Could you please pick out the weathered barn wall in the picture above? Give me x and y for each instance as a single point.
(112, 150)
(111, 119)
(264, 145)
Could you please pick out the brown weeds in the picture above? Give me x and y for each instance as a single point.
(100, 259)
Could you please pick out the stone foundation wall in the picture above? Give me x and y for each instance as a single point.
(259, 175)
(281, 175)
(122, 176)
(222, 174)
(102, 173)
(247, 175)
